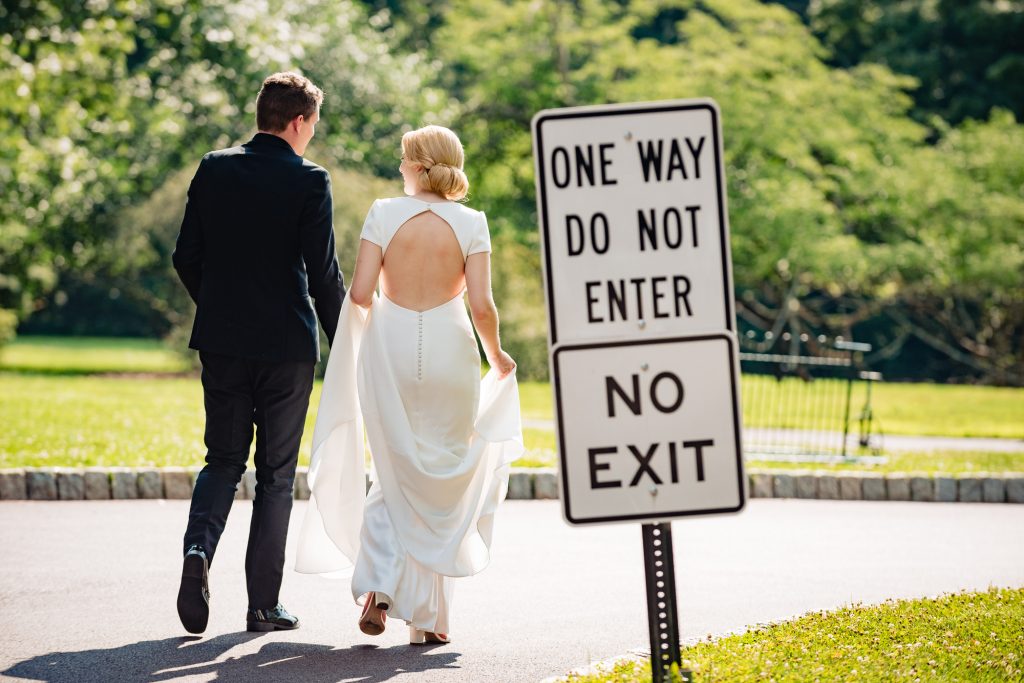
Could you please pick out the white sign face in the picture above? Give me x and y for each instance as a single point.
(648, 430)
(631, 201)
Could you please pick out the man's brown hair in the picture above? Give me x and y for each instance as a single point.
(284, 96)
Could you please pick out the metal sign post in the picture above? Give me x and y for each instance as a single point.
(662, 620)
(641, 327)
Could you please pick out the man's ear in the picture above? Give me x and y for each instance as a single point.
(297, 122)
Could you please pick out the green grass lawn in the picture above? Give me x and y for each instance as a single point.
(139, 422)
(963, 637)
(84, 421)
(947, 462)
(916, 409)
(78, 421)
(57, 408)
(541, 453)
(90, 355)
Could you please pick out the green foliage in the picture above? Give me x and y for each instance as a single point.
(104, 100)
(966, 56)
(961, 637)
(147, 232)
(8, 324)
(848, 216)
(841, 211)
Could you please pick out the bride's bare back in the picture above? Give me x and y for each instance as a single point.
(424, 253)
(423, 266)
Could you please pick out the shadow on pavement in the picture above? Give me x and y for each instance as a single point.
(175, 658)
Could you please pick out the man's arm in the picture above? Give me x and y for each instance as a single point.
(188, 250)
(326, 284)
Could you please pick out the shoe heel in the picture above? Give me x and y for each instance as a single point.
(382, 601)
(259, 626)
(417, 636)
(194, 567)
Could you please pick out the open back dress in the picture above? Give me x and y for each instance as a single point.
(441, 440)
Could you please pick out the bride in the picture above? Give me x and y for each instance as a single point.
(405, 364)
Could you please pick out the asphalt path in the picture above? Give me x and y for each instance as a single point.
(87, 589)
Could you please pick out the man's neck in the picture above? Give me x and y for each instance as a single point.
(284, 136)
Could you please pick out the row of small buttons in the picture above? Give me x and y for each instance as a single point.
(419, 347)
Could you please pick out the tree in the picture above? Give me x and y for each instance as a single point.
(102, 101)
(841, 211)
(967, 56)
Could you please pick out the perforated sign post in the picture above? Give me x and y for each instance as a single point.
(641, 330)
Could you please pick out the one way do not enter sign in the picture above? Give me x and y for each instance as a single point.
(638, 281)
(631, 200)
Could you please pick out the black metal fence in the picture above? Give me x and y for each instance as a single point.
(812, 403)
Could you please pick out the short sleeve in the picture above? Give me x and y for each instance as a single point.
(481, 240)
(371, 226)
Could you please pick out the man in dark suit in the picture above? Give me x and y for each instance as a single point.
(256, 243)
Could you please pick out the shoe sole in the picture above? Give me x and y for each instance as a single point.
(430, 641)
(263, 626)
(372, 628)
(193, 608)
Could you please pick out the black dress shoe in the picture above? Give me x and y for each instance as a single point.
(273, 619)
(194, 593)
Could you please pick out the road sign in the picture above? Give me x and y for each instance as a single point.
(631, 200)
(648, 430)
(641, 334)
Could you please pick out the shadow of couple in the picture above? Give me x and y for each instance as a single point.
(172, 658)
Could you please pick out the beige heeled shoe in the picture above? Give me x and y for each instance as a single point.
(421, 637)
(371, 622)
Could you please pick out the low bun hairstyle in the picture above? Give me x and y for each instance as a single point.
(439, 152)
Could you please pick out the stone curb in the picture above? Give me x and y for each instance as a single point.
(896, 486)
(525, 483)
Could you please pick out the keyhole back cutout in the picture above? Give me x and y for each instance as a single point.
(423, 266)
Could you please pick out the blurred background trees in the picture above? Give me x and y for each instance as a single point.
(875, 158)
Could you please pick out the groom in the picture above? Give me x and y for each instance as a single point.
(256, 243)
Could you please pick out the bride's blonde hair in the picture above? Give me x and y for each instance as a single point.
(440, 153)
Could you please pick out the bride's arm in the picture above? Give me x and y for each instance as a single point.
(485, 313)
(364, 281)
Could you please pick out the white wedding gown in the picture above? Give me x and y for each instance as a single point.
(441, 441)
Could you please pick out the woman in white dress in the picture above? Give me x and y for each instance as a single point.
(406, 364)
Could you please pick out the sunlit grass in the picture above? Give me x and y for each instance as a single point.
(105, 421)
(53, 413)
(75, 421)
(947, 462)
(953, 638)
(89, 355)
(916, 409)
(85, 421)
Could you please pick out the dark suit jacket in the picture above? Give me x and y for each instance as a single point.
(256, 243)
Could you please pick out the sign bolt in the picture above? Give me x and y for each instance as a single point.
(653, 490)
(629, 136)
(644, 367)
(641, 324)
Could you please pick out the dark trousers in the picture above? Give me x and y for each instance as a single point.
(238, 394)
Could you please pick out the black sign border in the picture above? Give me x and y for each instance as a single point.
(719, 182)
(564, 477)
